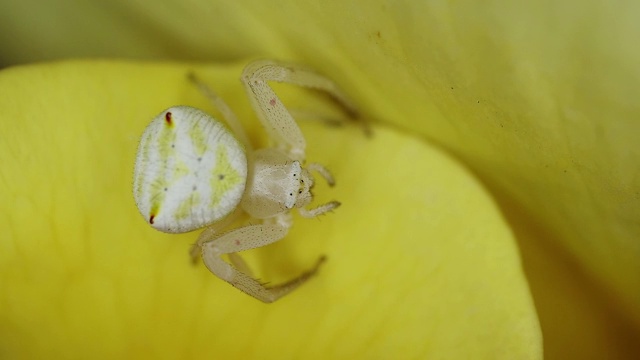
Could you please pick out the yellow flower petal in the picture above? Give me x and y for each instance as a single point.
(538, 99)
(421, 263)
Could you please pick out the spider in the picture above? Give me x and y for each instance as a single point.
(191, 172)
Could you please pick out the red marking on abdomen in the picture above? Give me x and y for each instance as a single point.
(167, 118)
(151, 218)
(272, 102)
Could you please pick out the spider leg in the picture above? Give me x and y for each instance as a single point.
(229, 116)
(211, 232)
(323, 171)
(245, 238)
(238, 262)
(275, 117)
(319, 210)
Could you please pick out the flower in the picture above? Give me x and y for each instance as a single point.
(537, 102)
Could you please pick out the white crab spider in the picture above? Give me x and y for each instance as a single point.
(191, 172)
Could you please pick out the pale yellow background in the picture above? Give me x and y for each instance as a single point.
(539, 101)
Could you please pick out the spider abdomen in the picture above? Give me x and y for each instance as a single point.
(190, 171)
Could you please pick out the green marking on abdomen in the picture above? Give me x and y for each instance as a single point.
(224, 176)
(184, 209)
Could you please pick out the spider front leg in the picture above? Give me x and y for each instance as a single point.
(245, 238)
(275, 117)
